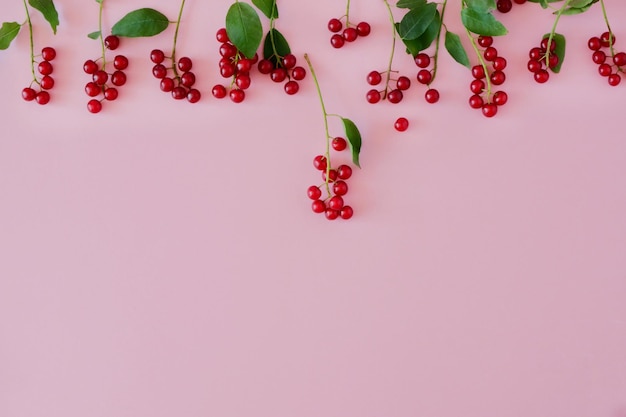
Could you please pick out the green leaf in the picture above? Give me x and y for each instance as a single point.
(94, 35)
(559, 51)
(482, 23)
(141, 23)
(244, 28)
(581, 7)
(268, 7)
(415, 46)
(455, 49)
(8, 32)
(410, 4)
(416, 21)
(49, 12)
(354, 139)
(275, 46)
(483, 6)
(99, 1)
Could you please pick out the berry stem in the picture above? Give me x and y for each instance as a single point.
(32, 43)
(273, 42)
(393, 49)
(319, 94)
(437, 44)
(180, 15)
(553, 31)
(104, 59)
(482, 63)
(348, 13)
(608, 26)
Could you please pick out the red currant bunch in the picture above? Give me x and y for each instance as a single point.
(610, 63)
(505, 6)
(393, 87)
(283, 69)
(542, 58)
(177, 78)
(346, 33)
(234, 65)
(425, 76)
(334, 183)
(103, 84)
(487, 76)
(45, 82)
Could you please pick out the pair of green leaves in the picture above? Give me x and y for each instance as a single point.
(421, 25)
(477, 17)
(245, 30)
(10, 30)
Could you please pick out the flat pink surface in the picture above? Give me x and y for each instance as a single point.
(161, 259)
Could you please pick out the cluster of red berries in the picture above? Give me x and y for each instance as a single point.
(178, 79)
(99, 84)
(542, 59)
(235, 65)
(505, 6)
(605, 68)
(482, 97)
(46, 82)
(425, 76)
(348, 34)
(333, 206)
(393, 95)
(284, 69)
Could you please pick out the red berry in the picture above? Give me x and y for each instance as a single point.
(237, 95)
(504, 6)
(243, 81)
(45, 68)
(265, 66)
(401, 124)
(90, 67)
(534, 65)
(620, 59)
(188, 79)
(167, 85)
(29, 94)
(112, 42)
(594, 43)
(335, 25)
(346, 212)
(340, 188)
(431, 96)
(227, 70)
(395, 96)
(424, 76)
(614, 79)
(339, 144)
(218, 91)
(598, 57)
(477, 86)
(490, 53)
(422, 60)
(318, 206)
(605, 70)
(291, 87)
(337, 40)
(244, 65)
(278, 75)
(332, 175)
(478, 72)
(120, 62)
(350, 34)
(157, 56)
(490, 110)
(222, 35)
(335, 202)
(497, 77)
(500, 98)
(403, 83)
(43, 97)
(185, 64)
(542, 76)
(289, 61)
(48, 53)
(331, 214)
(544, 44)
(298, 73)
(319, 162)
(92, 89)
(374, 78)
(314, 192)
(193, 95)
(363, 29)
(159, 71)
(179, 93)
(485, 41)
(476, 101)
(118, 78)
(94, 106)
(110, 94)
(607, 39)
(535, 53)
(499, 63)
(344, 172)
(373, 96)
(46, 82)
(228, 50)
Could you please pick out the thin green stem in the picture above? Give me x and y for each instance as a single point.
(482, 63)
(393, 49)
(559, 13)
(32, 43)
(437, 44)
(180, 15)
(348, 14)
(608, 26)
(102, 45)
(319, 94)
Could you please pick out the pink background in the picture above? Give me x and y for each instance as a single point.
(160, 259)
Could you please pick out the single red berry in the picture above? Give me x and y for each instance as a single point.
(350, 34)
(179, 93)
(504, 6)
(346, 212)
(314, 192)
(278, 75)
(499, 63)
(422, 60)
(335, 202)
(43, 98)
(157, 56)
(335, 25)
(331, 214)
(167, 85)
(265, 66)
(401, 124)
(476, 101)
(607, 39)
(227, 70)
(605, 70)
(110, 94)
(185, 64)
(243, 81)
(111, 42)
(118, 78)
(291, 87)
(485, 41)
(228, 50)
(500, 98)
(542, 76)
(553, 61)
(614, 79)
(298, 73)
(490, 110)
(237, 95)
(340, 188)
(90, 67)
(48, 53)
(332, 175)
(534, 65)
(497, 77)
(45, 68)
(92, 89)
(395, 96)
(254, 59)
(344, 172)
(373, 96)
(424, 76)
(318, 206)
(46, 82)
(363, 29)
(120, 62)
(490, 53)
(477, 86)
(159, 71)
(29, 94)
(222, 35)
(374, 78)
(339, 144)
(289, 61)
(193, 95)
(478, 72)
(94, 106)
(337, 41)
(244, 65)
(403, 83)
(218, 91)
(619, 59)
(535, 53)
(431, 96)
(544, 44)
(319, 162)
(188, 79)
(594, 43)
